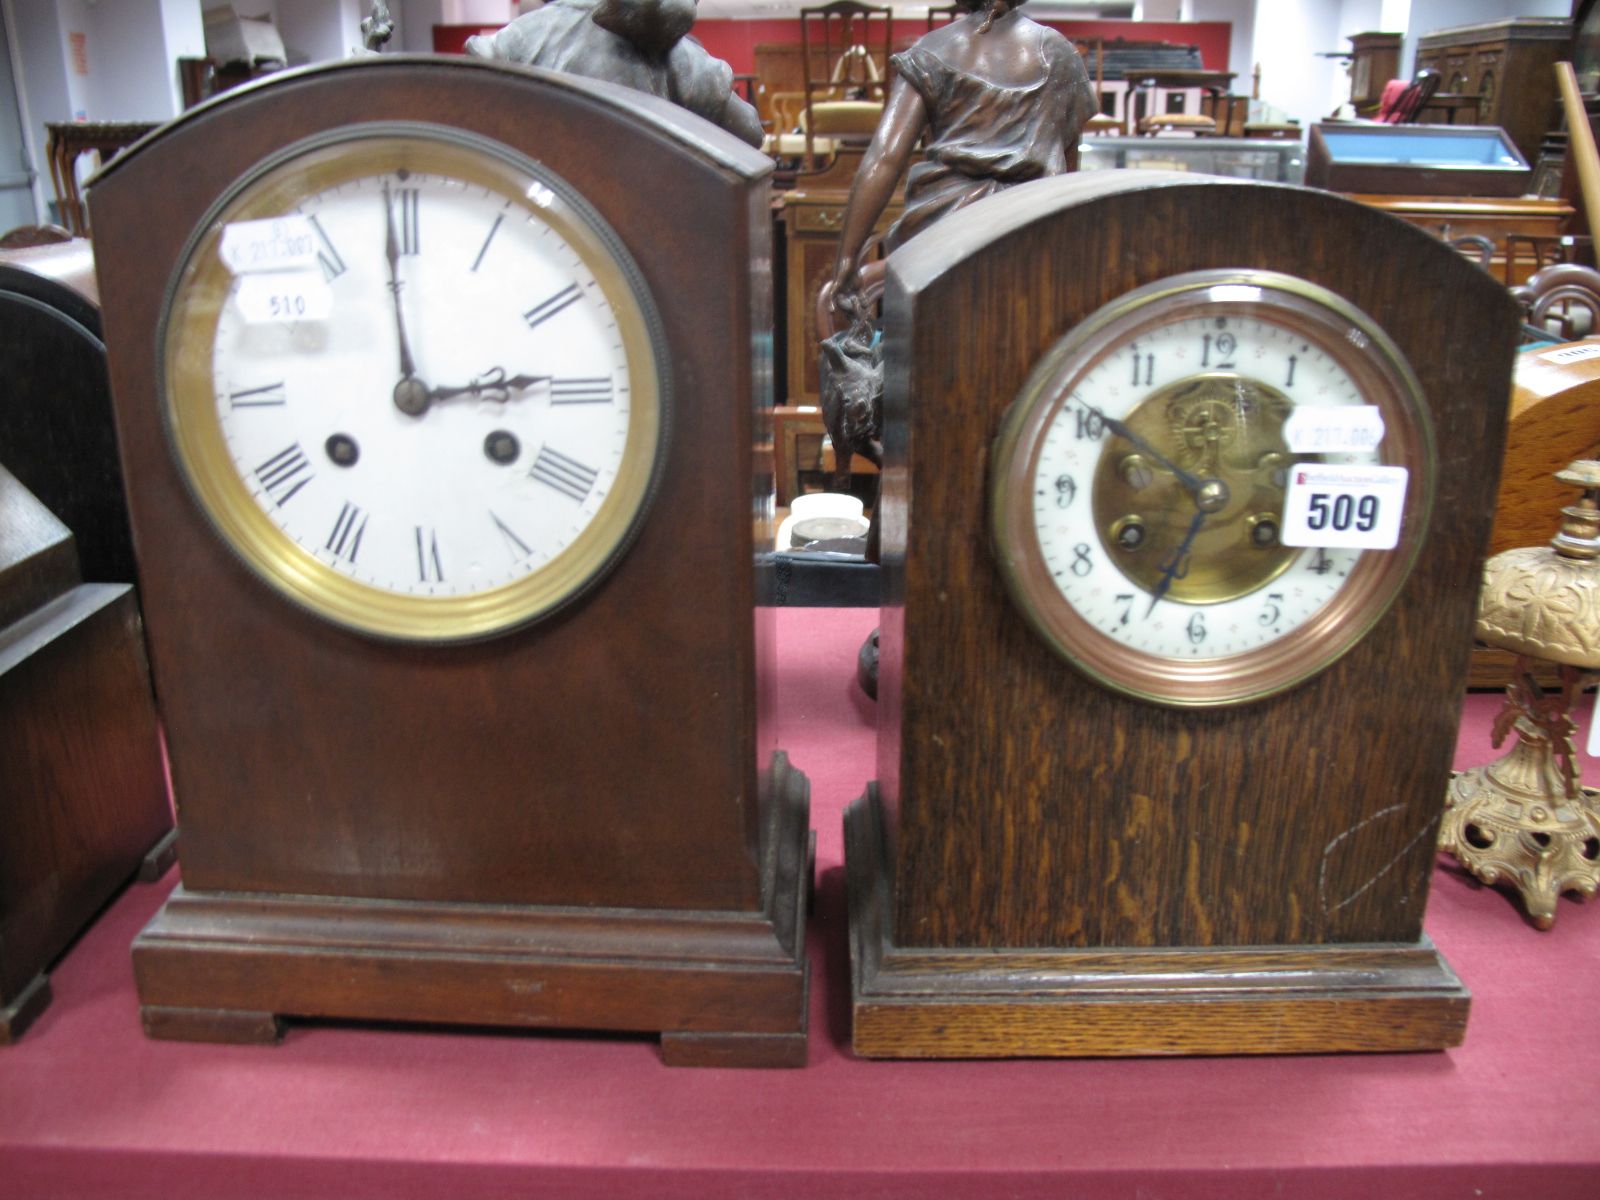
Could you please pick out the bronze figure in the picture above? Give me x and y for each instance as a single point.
(637, 43)
(999, 99)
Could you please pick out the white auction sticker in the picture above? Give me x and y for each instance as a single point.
(1334, 428)
(1344, 506)
(284, 296)
(279, 244)
(1593, 748)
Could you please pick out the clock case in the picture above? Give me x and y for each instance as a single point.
(84, 805)
(582, 823)
(1047, 867)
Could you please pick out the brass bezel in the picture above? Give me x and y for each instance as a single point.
(1384, 377)
(186, 337)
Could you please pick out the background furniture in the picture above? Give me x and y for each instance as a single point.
(1498, 219)
(1506, 65)
(1374, 60)
(67, 143)
(413, 1114)
(812, 216)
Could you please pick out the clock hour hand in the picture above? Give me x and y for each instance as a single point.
(1191, 482)
(1177, 564)
(493, 384)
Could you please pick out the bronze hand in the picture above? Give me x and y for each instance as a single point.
(1190, 482)
(493, 384)
(1177, 565)
(410, 394)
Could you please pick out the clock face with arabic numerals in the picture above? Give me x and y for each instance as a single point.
(1213, 487)
(414, 382)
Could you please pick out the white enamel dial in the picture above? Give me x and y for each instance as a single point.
(437, 414)
(1261, 593)
(1152, 484)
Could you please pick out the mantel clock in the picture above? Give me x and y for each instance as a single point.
(1180, 550)
(440, 465)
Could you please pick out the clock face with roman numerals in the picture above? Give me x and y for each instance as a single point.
(1212, 488)
(413, 380)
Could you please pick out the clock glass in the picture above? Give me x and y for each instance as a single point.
(1213, 487)
(413, 380)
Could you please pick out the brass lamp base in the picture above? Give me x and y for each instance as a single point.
(1511, 822)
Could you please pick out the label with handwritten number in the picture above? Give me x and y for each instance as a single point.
(1334, 429)
(283, 297)
(278, 244)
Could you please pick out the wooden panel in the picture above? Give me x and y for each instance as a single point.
(615, 756)
(1074, 817)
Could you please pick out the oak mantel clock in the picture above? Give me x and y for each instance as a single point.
(436, 383)
(1181, 540)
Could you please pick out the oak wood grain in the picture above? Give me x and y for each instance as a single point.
(1024, 806)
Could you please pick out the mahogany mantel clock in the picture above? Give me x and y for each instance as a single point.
(437, 425)
(1181, 540)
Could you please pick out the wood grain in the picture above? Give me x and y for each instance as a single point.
(615, 756)
(1027, 807)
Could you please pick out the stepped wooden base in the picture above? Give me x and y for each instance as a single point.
(1058, 1002)
(722, 988)
(23, 1009)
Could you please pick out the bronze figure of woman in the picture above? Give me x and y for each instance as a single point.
(1001, 100)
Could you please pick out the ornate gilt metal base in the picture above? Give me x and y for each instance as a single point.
(1523, 820)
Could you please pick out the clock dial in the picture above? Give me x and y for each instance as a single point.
(412, 380)
(1147, 485)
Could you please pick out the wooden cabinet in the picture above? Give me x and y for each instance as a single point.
(1514, 225)
(1374, 61)
(811, 222)
(1508, 66)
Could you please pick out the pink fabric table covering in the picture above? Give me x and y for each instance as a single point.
(89, 1107)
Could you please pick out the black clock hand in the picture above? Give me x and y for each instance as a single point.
(1191, 482)
(391, 250)
(493, 384)
(1176, 566)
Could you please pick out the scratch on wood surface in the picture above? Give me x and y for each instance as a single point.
(1327, 853)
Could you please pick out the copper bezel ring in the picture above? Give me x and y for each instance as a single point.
(1337, 327)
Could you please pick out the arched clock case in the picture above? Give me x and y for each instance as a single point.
(437, 386)
(1157, 774)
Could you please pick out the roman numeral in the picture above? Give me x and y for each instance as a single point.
(581, 391)
(543, 311)
(484, 249)
(410, 232)
(567, 475)
(332, 265)
(519, 549)
(285, 473)
(429, 567)
(345, 540)
(269, 396)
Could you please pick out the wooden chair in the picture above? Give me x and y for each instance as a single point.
(68, 142)
(845, 48)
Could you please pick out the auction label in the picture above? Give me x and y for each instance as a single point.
(1334, 428)
(284, 296)
(1344, 506)
(277, 244)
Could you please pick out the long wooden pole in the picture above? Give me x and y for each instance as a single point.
(1580, 144)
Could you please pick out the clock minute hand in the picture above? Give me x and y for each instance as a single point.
(391, 250)
(1191, 482)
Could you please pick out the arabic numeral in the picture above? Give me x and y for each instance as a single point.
(1126, 600)
(1082, 564)
(1196, 629)
(1272, 612)
(1066, 491)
